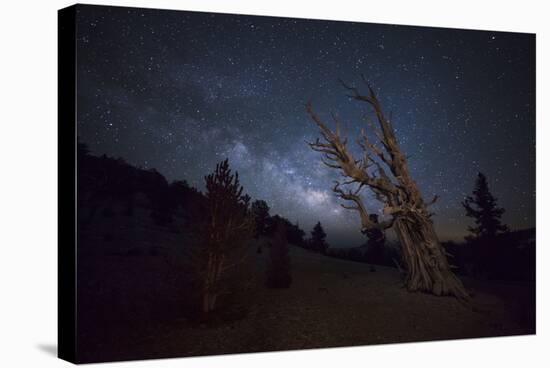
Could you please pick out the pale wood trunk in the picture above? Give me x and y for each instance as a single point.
(423, 255)
(214, 269)
(425, 259)
(208, 284)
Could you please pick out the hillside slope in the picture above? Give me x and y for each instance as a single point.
(331, 303)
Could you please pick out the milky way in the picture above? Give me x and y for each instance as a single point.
(180, 91)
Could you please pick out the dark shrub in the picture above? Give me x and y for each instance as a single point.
(278, 270)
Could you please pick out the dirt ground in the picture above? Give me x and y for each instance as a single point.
(330, 303)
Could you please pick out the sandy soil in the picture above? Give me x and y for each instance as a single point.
(330, 303)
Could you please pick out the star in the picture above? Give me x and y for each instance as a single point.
(179, 93)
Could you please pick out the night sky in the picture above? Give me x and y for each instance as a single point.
(181, 91)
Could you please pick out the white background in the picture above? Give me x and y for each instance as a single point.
(28, 182)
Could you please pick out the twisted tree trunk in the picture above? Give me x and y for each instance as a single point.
(423, 255)
(425, 259)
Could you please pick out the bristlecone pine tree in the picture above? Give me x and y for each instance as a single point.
(427, 268)
(226, 235)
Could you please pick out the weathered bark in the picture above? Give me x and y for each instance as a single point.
(426, 262)
(423, 255)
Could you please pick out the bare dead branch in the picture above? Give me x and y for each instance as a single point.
(335, 147)
(366, 222)
(427, 265)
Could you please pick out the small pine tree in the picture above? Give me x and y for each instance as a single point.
(278, 270)
(482, 207)
(317, 241)
(226, 234)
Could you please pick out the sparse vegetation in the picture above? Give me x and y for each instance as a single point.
(278, 269)
(225, 238)
(151, 262)
(317, 242)
(260, 210)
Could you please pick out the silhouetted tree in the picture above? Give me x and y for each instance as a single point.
(103, 182)
(180, 191)
(227, 234)
(260, 210)
(189, 200)
(162, 205)
(488, 258)
(482, 207)
(317, 241)
(295, 234)
(271, 225)
(278, 269)
(106, 183)
(427, 267)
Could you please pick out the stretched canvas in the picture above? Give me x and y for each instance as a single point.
(236, 184)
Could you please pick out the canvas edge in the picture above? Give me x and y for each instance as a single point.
(66, 150)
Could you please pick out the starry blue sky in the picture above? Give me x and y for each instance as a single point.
(180, 91)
